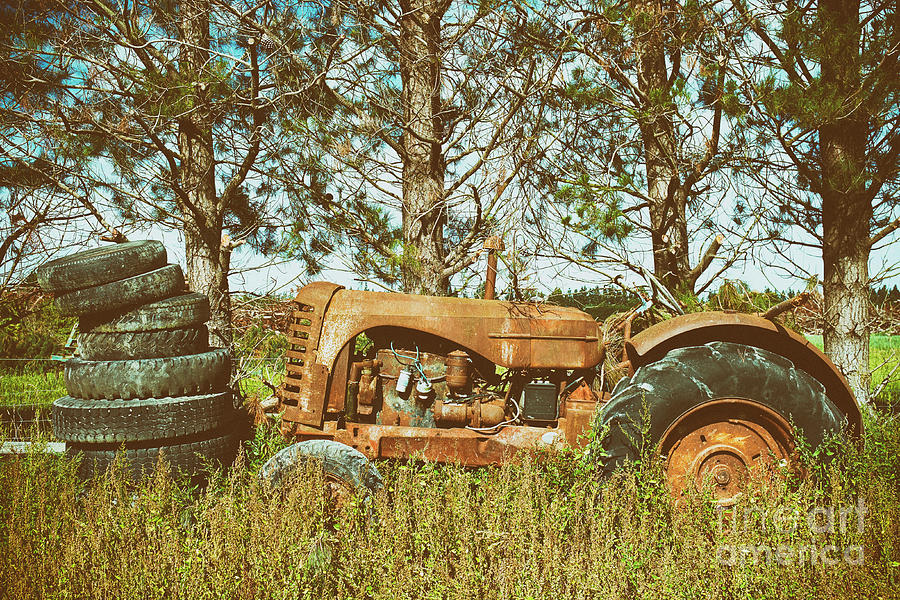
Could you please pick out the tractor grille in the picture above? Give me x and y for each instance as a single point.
(299, 339)
(303, 391)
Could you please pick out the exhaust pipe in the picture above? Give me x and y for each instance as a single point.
(492, 244)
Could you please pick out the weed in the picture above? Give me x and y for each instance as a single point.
(534, 528)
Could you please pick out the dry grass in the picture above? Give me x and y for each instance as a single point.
(542, 528)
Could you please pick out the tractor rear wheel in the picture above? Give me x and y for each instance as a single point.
(717, 412)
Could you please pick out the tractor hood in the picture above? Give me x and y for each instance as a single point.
(509, 334)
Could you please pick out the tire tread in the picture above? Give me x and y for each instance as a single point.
(79, 420)
(188, 375)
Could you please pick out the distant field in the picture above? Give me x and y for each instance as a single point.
(876, 342)
(31, 388)
(884, 354)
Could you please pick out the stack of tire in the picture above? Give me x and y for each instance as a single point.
(146, 380)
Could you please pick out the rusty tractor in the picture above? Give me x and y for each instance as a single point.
(388, 375)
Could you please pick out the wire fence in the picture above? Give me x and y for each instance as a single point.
(31, 359)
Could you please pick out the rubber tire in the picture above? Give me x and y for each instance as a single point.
(189, 456)
(186, 310)
(115, 421)
(101, 265)
(124, 293)
(687, 377)
(128, 345)
(189, 375)
(338, 460)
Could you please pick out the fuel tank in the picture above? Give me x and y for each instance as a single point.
(509, 334)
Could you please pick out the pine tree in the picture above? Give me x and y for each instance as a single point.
(649, 152)
(41, 165)
(829, 79)
(436, 107)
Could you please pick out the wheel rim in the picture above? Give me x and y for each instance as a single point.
(720, 445)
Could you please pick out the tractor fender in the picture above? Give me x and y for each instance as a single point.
(752, 330)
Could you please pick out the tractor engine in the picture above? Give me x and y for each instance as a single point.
(416, 388)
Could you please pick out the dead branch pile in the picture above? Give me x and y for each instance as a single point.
(265, 312)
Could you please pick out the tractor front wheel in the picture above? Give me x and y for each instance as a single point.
(346, 470)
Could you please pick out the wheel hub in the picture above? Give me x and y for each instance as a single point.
(719, 445)
(722, 474)
(338, 493)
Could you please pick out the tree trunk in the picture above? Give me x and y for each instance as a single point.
(846, 207)
(668, 198)
(424, 213)
(846, 288)
(207, 258)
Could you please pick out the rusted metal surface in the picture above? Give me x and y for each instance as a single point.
(578, 410)
(361, 388)
(508, 334)
(474, 414)
(721, 444)
(408, 409)
(454, 386)
(699, 328)
(336, 402)
(459, 375)
(306, 379)
(492, 244)
(458, 445)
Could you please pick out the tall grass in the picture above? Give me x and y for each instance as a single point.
(542, 527)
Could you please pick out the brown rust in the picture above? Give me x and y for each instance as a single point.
(492, 244)
(700, 328)
(464, 337)
(721, 444)
(306, 379)
(473, 414)
(368, 387)
(508, 334)
(578, 410)
(462, 446)
(459, 377)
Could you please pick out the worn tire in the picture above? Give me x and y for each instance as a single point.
(338, 460)
(146, 287)
(127, 345)
(189, 456)
(101, 265)
(687, 377)
(115, 421)
(189, 375)
(186, 310)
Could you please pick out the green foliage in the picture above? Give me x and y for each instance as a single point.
(37, 385)
(736, 295)
(30, 327)
(259, 341)
(260, 360)
(592, 210)
(884, 295)
(266, 442)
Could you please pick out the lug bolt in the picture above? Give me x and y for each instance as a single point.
(722, 475)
